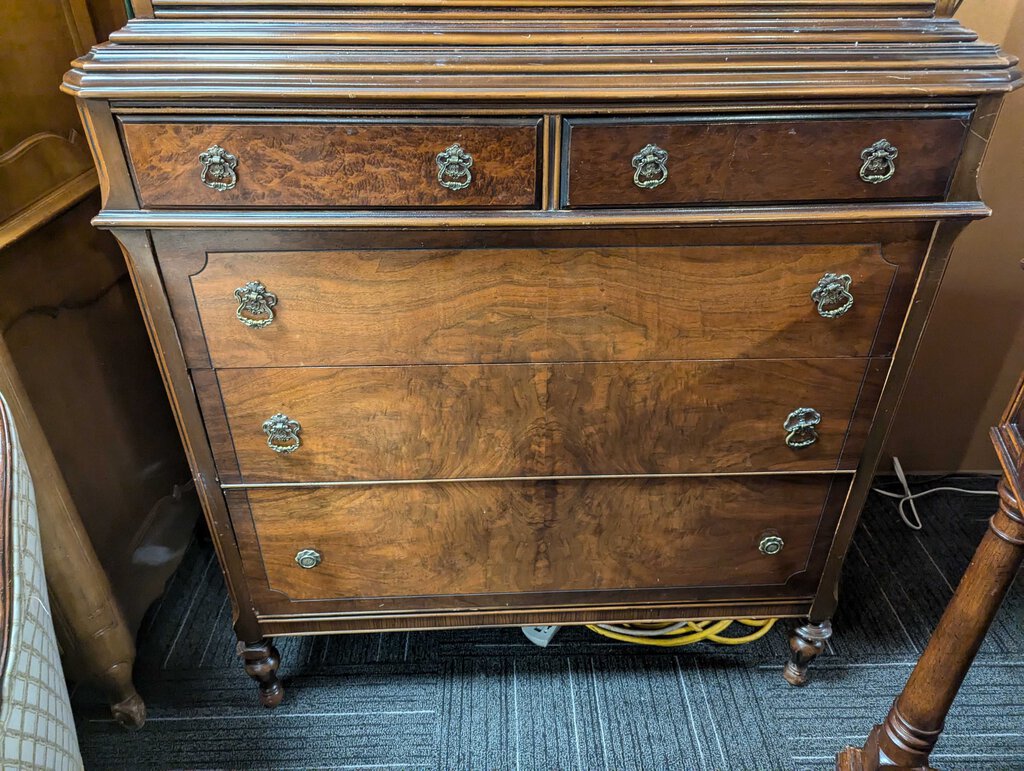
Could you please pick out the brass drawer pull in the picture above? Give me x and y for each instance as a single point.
(453, 168)
(218, 168)
(771, 544)
(879, 162)
(282, 433)
(833, 295)
(255, 304)
(651, 166)
(308, 558)
(800, 427)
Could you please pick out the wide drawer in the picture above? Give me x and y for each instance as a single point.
(409, 541)
(622, 303)
(698, 161)
(440, 422)
(338, 164)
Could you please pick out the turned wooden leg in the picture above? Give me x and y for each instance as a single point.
(906, 739)
(805, 644)
(94, 639)
(261, 661)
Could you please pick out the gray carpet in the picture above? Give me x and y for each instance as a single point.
(489, 699)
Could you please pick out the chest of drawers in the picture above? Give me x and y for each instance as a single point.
(564, 313)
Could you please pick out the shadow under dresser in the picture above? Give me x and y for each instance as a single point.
(497, 314)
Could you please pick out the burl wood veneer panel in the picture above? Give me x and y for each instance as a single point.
(440, 422)
(339, 164)
(490, 538)
(372, 307)
(748, 161)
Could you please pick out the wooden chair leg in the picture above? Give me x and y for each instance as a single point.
(90, 626)
(906, 739)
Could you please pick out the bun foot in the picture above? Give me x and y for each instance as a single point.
(261, 661)
(806, 643)
(131, 713)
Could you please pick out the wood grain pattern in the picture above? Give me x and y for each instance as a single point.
(909, 733)
(744, 161)
(493, 538)
(602, 290)
(541, 304)
(338, 164)
(442, 422)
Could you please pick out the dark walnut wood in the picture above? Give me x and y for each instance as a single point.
(914, 724)
(540, 304)
(429, 422)
(261, 661)
(495, 537)
(551, 323)
(354, 164)
(711, 160)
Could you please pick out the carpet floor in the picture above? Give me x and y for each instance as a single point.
(490, 699)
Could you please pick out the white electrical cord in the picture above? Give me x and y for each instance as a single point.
(913, 519)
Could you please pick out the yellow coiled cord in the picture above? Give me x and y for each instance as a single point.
(684, 633)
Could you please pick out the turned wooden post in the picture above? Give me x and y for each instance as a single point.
(88, 620)
(914, 723)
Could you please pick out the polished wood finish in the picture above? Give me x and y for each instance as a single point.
(45, 170)
(262, 660)
(344, 164)
(45, 165)
(759, 161)
(806, 643)
(540, 304)
(89, 623)
(519, 538)
(429, 422)
(75, 334)
(914, 724)
(425, 341)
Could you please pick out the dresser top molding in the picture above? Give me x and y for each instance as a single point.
(681, 8)
(362, 58)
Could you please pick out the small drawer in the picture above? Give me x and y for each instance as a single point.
(455, 306)
(485, 541)
(326, 424)
(701, 161)
(339, 164)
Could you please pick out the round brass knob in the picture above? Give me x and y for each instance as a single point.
(308, 558)
(771, 544)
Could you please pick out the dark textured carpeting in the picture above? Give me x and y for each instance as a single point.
(489, 699)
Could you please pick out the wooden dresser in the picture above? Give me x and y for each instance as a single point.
(494, 313)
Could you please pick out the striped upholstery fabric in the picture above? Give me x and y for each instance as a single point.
(37, 730)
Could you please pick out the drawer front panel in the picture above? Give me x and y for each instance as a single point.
(443, 422)
(354, 165)
(498, 538)
(559, 304)
(758, 161)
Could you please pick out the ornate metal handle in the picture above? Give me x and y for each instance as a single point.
(833, 295)
(771, 544)
(218, 168)
(879, 162)
(453, 168)
(282, 433)
(651, 166)
(800, 427)
(308, 558)
(255, 305)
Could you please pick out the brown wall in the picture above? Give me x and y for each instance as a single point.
(973, 350)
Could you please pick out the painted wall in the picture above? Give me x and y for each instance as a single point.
(973, 350)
